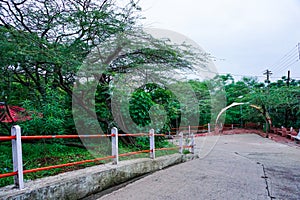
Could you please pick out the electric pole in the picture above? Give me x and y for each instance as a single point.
(288, 78)
(268, 73)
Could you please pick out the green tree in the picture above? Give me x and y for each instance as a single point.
(45, 43)
(281, 101)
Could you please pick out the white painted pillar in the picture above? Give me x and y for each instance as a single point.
(17, 156)
(115, 145)
(181, 142)
(193, 143)
(152, 144)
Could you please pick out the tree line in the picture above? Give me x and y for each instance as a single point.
(43, 45)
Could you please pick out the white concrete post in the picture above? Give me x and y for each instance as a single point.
(17, 156)
(115, 145)
(193, 143)
(152, 144)
(181, 142)
(232, 126)
(208, 127)
(189, 130)
(291, 129)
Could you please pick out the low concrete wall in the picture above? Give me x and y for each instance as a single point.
(81, 183)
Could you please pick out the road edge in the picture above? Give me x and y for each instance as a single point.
(84, 182)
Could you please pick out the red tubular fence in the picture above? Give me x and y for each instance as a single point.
(4, 138)
(56, 166)
(16, 138)
(8, 174)
(134, 153)
(66, 165)
(193, 131)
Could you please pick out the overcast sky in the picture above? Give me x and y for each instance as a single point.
(246, 36)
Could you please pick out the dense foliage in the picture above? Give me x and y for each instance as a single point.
(44, 43)
(280, 99)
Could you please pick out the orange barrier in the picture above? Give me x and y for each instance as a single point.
(66, 165)
(160, 135)
(17, 150)
(56, 166)
(35, 137)
(137, 134)
(132, 135)
(187, 146)
(201, 135)
(134, 153)
(3, 138)
(204, 128)
(38, 137)
(86, 161)
(170, 148)
(8, 174)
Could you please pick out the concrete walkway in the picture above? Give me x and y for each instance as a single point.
(237, 167)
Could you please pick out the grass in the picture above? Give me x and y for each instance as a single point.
(42, 154)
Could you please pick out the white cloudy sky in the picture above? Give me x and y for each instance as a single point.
(246, 36)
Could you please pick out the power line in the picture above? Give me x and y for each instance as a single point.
(287, 65)
(286, 61)
(244, 75)
(299, 50)
(248, 75)
(216, 73)
(284, 58)
(257, 76)
(291, 57)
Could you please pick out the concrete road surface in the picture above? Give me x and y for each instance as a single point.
(236, 167)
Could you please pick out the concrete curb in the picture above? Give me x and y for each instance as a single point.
(84, 182)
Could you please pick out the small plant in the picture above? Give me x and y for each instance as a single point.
(186, 151)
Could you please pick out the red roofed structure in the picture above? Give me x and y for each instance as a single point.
(9, 114)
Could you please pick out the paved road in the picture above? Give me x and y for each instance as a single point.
(238, 167)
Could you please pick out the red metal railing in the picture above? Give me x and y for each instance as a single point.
(3, 138)
(56, 166)
(38, 137)
(192, 129)
(17, 150)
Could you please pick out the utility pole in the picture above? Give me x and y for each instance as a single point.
(288, 79)
(268, 73)
(287, 109)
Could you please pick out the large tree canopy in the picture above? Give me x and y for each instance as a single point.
(45, 43)
(54, 50)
